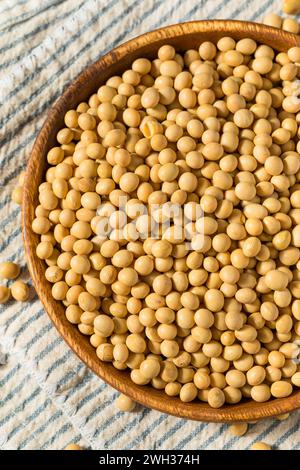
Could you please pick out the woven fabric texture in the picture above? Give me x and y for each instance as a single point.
(48, 397)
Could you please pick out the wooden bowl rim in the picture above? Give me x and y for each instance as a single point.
(147, 396)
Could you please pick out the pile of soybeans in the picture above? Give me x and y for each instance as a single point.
(169, 221)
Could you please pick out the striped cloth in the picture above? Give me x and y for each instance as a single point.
(48, 397)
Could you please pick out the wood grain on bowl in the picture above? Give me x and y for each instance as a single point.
(182, 36)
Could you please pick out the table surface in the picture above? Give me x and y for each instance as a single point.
(48, 397)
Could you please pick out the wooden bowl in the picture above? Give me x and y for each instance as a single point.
(182, 36)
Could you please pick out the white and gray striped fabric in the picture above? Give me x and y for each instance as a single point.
(48, 397)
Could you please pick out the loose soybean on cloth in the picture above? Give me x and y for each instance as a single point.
(48, 397)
